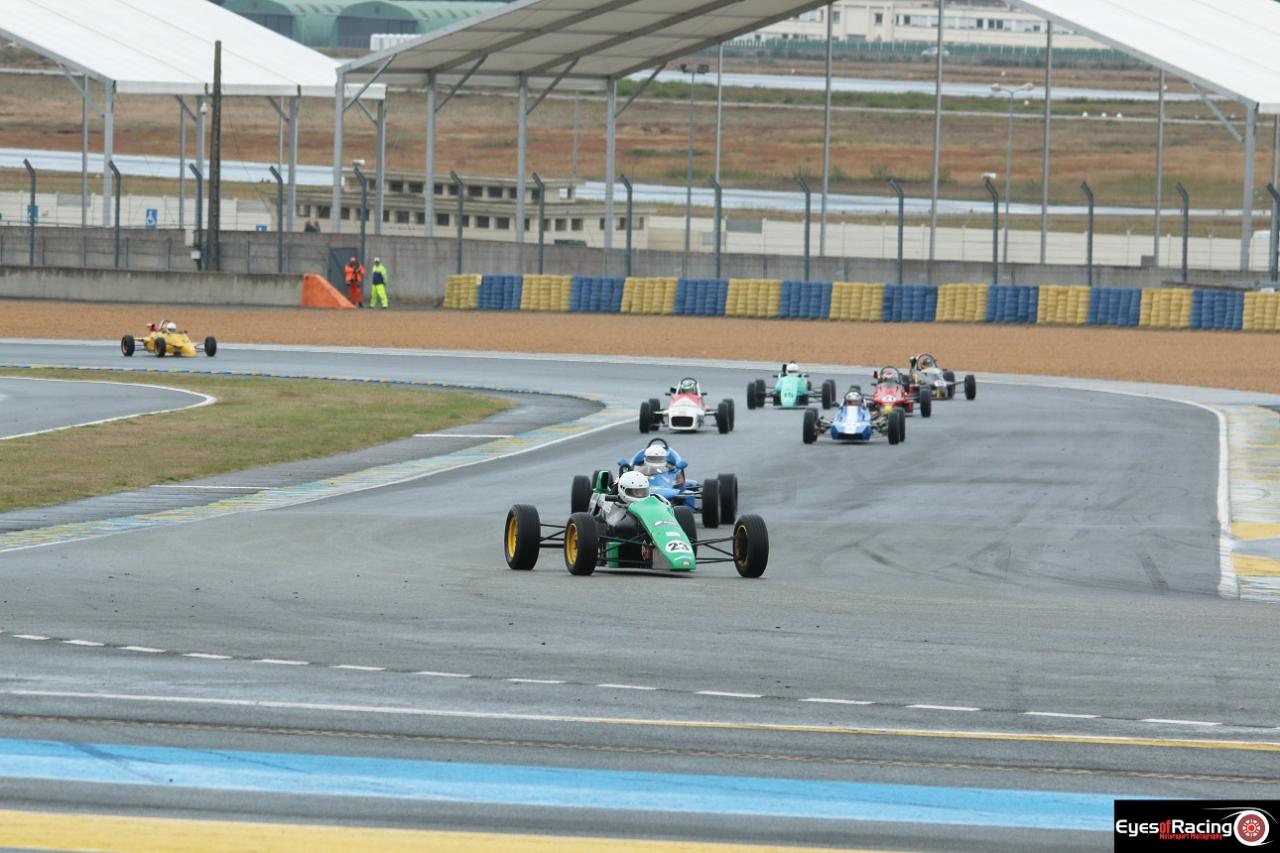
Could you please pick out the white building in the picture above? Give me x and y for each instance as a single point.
(917, 21)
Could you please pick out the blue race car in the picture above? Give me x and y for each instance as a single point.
(855, 420)
(715, 498)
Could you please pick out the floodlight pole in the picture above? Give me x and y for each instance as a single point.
(364, 208)
(1186, 227)
(611, 138)
(720, 107)
(429, 170)
(458, 185)
(1048, 128)
(902, 220)
(1088, 193)
(542, 221)
(108, 145)
(84, 152)
(380, 175)
(995, 228)
(115, 176)
(626, 182)
(522, 136)
(693, 72)
(1155, 246)
(808, 217)
(213, 243)
(1273, 258)
(182, 163)
(32, 215)
(719, 191)
(339, 112)
(937, 146)
(275, 173)
(198, 236)
(292, 201)
(826, 136)
(1250, 152)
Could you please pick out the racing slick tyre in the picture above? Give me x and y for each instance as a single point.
(759, 393)
(926, 401)
(710, 503)
(161, 345)
(750, 546)
(127, 346)
(580, 494)
(724, 421)
(581, 544)
(810, 426)
(211, 346)
(950, 378)
(522, 537)
(901, 417)
(970, 387)
(777, 400)
(646, 417)
(689, 524)
(828, 393)
(728, 497)
(655, 404)
(751, 395)
(733, 414)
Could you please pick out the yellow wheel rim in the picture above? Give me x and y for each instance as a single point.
(571, 543)
(740, 545)
(511, 536)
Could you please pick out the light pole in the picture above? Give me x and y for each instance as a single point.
(999, 89)
(693, 72)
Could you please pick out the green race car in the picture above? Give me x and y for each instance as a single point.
(791, 390)
(625, 527)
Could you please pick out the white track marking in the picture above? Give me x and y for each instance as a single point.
(359, 668)
(205, 656)
(28, 636)
(459, 435)
(730, 695)
(1179, 722)
(83, 643)
(625, 687)
(147, 650)
(943, 708)
(205, 400)
(1059, 714)
(443, 674)
(837, 701)
(533, 681)
(282, 662)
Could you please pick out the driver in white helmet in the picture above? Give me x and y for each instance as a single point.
(853, 398)
(790, 369)
(632, 486)
(171, 327)
(656, 460)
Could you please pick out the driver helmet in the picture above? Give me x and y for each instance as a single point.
(171, 327)
(853, 398)
(792, 368)
(353, 259)
(633, 486)
(927, 361)
(688, 385)
(655, 458)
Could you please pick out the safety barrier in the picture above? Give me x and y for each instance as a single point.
(962, 303)
(701, 297)
(1063, 305)
(1012, 304)
(753, 297)
(1213, 309)
(649, 296)
(1115, 306)
(910, 303)
(460, 291)
(857, 301)
(1261, 312)
(596, 295)
(499, 293)
(1166, 309)
(546, 293)
(807, 300)
(1046, 304)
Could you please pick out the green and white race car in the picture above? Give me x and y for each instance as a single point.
(791, 390)
(625, 527)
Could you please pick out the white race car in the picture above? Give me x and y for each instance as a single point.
(687, 410)
(925, 372)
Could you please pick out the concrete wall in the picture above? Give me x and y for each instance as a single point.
(145, 286)
(419, 267)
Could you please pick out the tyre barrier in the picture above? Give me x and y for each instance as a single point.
(807, 300)
(596, 295)
(1115, 306)
(857, 301)
(1063, 305)
(701, 297)
(1046, 304)
(546, 293)
(648, 296)
(962, 303)
(1215, 309)
(753, 297)
(1012, 304)
(460, 291)
(499, 293)
(909, 303)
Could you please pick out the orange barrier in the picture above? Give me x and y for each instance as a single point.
(317, 292)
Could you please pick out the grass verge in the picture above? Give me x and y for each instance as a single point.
(255, 422)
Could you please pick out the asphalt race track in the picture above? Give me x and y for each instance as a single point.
(31, 406)
(1014, 615)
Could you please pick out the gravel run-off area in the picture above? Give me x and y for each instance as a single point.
(1239, 360)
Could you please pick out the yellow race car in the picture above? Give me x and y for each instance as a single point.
(164, 338)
